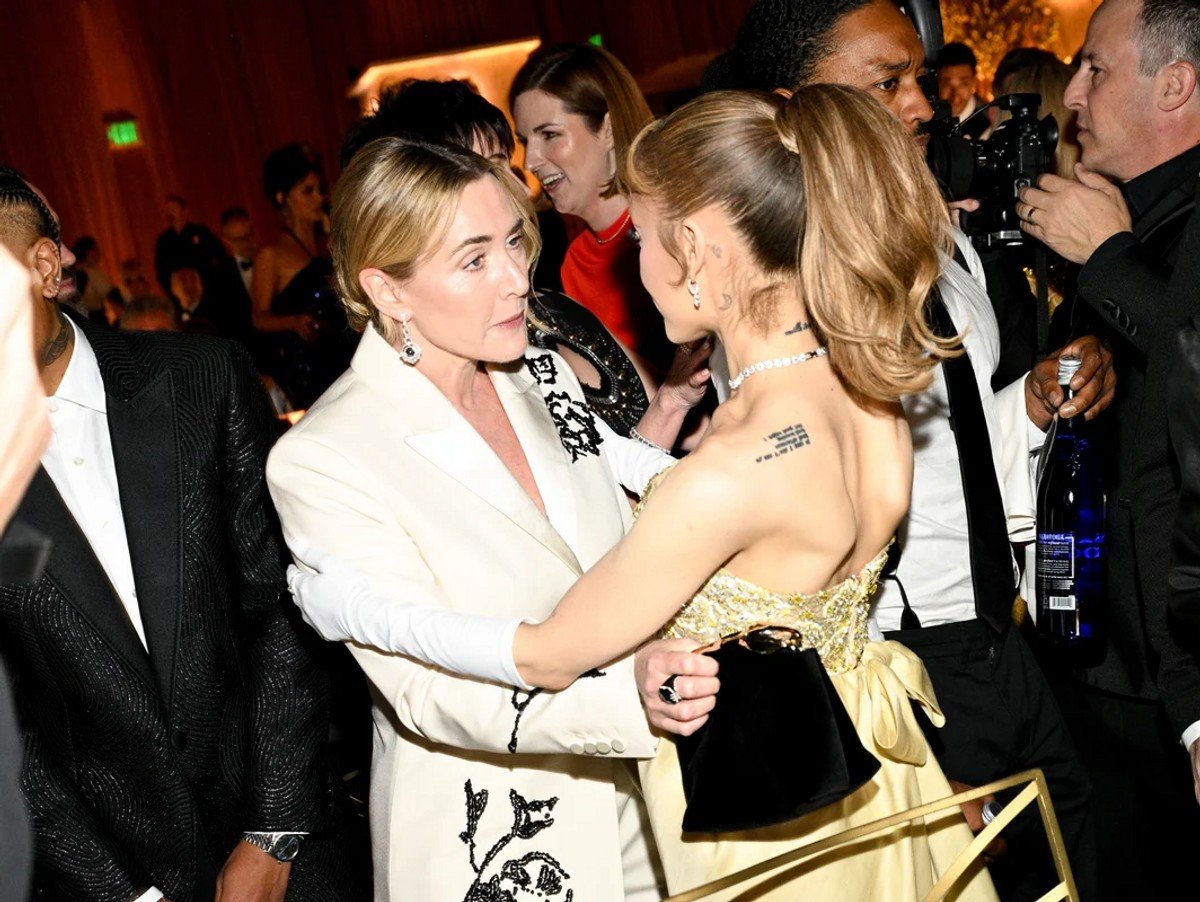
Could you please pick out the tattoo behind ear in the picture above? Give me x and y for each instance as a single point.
(785, 441)
(717, 251)
(799, 327)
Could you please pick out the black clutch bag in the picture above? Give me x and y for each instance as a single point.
(779, 742)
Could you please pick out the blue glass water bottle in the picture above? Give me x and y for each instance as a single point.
(1071, 559)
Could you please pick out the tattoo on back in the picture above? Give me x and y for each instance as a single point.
(785, 441)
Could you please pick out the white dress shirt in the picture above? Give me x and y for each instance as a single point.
(935, 562)
(79, 460)
(245, 270)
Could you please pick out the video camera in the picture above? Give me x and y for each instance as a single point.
(992, 171)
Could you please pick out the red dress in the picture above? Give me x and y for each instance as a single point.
(601, 272)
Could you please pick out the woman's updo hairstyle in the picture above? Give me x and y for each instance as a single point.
(836, 206)
(287, 166)
(591, 83)
(394, 204)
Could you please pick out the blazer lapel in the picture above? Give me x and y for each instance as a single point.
(441, 435)
(142, 428)
(76, 573)
(531, 420)
(462, 454)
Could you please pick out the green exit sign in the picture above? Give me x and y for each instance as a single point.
(123, 133)
(596, 40)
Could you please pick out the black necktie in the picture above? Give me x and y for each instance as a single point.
(991, 557)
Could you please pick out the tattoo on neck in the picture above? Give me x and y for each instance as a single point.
(58, 345)
(717, 251)
(785, 441)
(799, 327)
(726, 301)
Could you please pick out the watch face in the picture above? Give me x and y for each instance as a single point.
(288, 849)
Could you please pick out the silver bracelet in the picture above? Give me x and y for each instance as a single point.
(638, 437)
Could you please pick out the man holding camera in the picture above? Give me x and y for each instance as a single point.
(952, 592)
(1139, 125)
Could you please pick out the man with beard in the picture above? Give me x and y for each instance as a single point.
(172, 719)
(950, 596)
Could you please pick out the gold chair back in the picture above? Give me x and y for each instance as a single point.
(1034, 788)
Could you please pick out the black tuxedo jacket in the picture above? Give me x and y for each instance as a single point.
(143, 769)
(1125, 287)
(1182, 376)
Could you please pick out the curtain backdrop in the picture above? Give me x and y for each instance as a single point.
(216, 84)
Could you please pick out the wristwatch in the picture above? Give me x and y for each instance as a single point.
(283, 847)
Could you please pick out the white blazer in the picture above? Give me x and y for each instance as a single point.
(473, 784)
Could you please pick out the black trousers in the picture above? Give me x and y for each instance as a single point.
(1149, 836)
(1002, 718)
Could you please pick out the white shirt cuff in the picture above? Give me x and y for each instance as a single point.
(151, 895)
(1190, 735)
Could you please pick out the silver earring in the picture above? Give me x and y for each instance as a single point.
(693, 288)
(410, 351)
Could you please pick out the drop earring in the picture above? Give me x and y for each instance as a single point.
(693, 288)
(410, 351)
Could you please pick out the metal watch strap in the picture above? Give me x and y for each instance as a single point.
(283, 847)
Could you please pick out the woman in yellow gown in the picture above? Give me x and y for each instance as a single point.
(807, 235)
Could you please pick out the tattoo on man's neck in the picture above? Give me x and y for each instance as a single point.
(58, 345)
(785, 441)
(799, 327)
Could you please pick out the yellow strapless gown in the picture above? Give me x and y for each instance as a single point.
(875, 681)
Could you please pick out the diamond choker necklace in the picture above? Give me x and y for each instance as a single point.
(774, 364)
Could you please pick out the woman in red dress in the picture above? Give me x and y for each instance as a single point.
(577, 109)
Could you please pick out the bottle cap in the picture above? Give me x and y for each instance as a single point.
(1068, 366)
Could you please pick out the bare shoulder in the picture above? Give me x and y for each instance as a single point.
(267, 256)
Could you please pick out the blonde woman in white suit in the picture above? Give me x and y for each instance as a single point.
(454, 461)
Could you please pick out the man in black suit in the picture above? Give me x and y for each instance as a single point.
(172, 717)
(186, 243)
(1138, 102)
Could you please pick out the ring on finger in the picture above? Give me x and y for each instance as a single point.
(667, 691)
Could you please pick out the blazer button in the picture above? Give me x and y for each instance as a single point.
(179, 740)
(576, 748)
(618, 746)
(603, 748)
(589, 748)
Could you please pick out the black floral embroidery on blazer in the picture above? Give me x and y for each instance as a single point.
(543, 369)
(574, 420)
(520, 704)
(534, 872)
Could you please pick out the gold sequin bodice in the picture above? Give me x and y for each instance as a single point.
(833, 621)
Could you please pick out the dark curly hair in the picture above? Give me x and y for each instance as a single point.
(285, 167)
(778, 45)
(439, 112)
